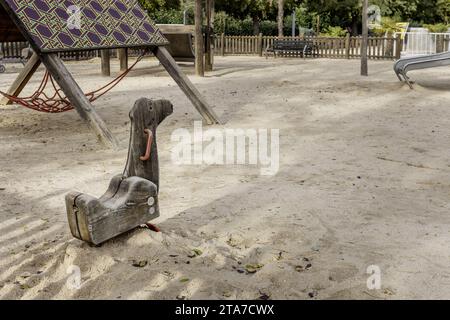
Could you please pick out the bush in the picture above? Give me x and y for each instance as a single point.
(167, 16)
(388, 25)
(234, 27)
(335, 32)
(440, 27)
(269, 28)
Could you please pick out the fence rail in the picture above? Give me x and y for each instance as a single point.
(13, 50)
(326, 47)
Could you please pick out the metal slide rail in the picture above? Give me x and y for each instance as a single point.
(403, 66)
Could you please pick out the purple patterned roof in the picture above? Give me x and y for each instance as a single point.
(85, 24)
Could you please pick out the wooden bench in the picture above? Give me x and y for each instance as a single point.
(286, 46)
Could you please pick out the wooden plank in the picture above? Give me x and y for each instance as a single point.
(185, 85)
(76, 96)
(176, 28)
(123, 58)
(106, 62)
(23, 78)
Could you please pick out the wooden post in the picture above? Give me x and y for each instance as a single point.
(439, 43)
(23, 78)
(260, 44)
(398, 47)
(199, 51)
(347, 46)
(365, 40)
(208, 35)
(81, 103)
(122, 53)
(222, 44)
(106, 62)
(185, 85)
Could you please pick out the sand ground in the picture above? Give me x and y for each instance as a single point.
(364, 180)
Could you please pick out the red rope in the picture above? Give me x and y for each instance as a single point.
(58, 103)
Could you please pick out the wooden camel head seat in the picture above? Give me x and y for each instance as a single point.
(132, 197)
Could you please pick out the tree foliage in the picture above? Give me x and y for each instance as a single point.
(330, 13)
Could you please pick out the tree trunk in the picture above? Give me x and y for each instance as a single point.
(318, 25)
(199, 50)
(280, 18)
(365, 40)
(208, 37)
(354, 26)
(256, 26)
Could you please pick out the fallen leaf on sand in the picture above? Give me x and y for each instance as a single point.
(253, 268)
(195, 253)
(139, 264)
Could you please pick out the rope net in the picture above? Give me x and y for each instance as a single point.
(58, 102)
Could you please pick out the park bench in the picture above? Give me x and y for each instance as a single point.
(286, 46)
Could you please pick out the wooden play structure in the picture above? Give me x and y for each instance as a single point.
(181, 46)
(180, 37)
(132, 197)
(104, 25)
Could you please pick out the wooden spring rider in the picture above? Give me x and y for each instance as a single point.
(132, 197)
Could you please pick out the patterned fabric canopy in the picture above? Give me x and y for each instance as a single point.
(58, 25)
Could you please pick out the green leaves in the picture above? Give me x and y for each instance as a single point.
(250, 16)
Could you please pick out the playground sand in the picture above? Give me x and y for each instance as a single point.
(363, 181)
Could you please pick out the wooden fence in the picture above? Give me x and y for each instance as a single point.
(13, 50)
(325, 47)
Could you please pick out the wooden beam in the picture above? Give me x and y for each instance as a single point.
(186, 85)
(76, 96)
(199, 45)
(106, 62)
(23, 78)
